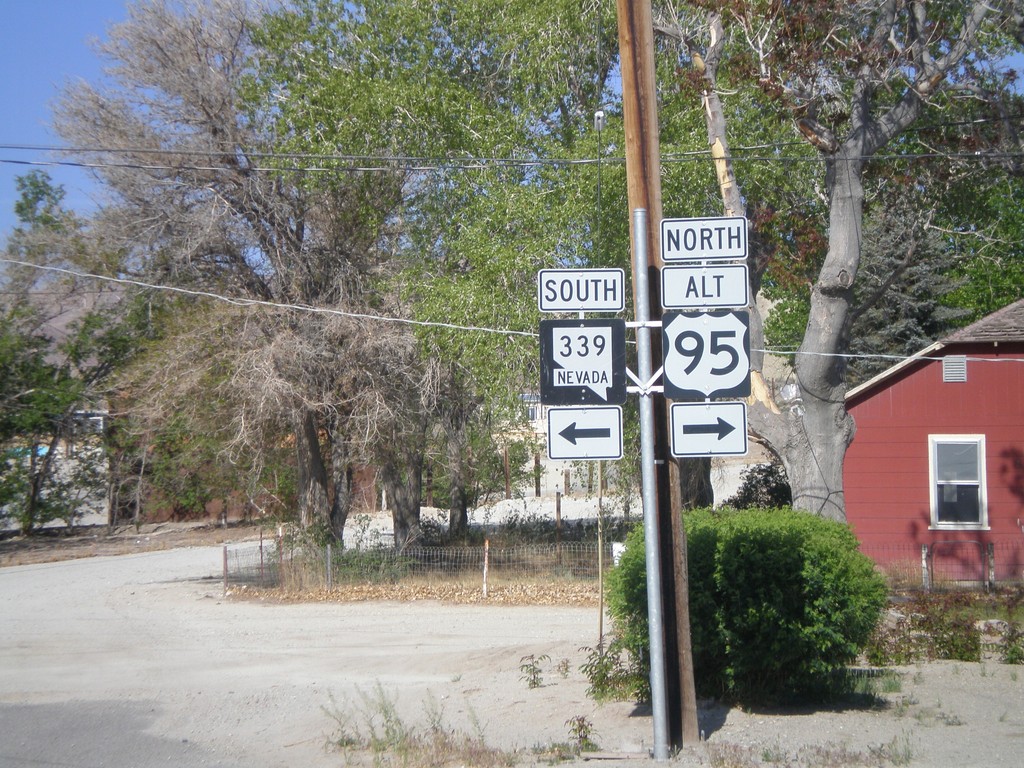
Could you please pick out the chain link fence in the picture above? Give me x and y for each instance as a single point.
(274, 563)
(282, 563)
(949, 564)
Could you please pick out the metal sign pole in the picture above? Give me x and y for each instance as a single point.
(655, 619)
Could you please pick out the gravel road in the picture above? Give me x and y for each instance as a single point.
(139, 660)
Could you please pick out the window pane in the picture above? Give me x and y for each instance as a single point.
(956, 462)
(958, 504)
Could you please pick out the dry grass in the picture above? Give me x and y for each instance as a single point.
(569, 593)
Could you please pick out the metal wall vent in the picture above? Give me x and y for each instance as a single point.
(954, 368)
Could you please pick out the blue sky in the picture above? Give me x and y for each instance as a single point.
(44, 44)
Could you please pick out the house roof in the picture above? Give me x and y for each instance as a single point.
(1006, 324)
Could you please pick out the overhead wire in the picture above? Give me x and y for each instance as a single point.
(388, 164)
(246, 302)
(472, 160)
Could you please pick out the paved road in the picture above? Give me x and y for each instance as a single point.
(139, 661)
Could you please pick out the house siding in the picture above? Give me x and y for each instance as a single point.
(886, 478)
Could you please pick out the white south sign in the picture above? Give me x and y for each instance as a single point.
(581, 290)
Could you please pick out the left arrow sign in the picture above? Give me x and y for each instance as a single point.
(572, 433)
(591, 432)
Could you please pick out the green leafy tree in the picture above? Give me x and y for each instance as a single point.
(852, 80)
(202, 197)
(52, 362)
(458, 83)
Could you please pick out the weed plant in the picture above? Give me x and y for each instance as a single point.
(530, 669)
(615, 674)
(581, 734)
(943, 625)
(375, 727)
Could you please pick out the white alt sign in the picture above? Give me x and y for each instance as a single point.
(581, 290)
(709, 429)
(706, 354)
(593, 432)
(717, 286)
(699, 239)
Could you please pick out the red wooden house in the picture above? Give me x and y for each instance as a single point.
(934, 478)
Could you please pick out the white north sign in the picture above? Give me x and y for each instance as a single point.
(724, 237)
(716, 286)
(591, 432)
(581, 290)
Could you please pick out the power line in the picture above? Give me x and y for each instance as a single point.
(241, 302)
(385, 164)
(400, 159)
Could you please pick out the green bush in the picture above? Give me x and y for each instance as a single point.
(929, 626)
(780, 601)
(626, 596)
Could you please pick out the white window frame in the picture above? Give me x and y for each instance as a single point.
(933, 488)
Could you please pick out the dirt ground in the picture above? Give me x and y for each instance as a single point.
(55, 544)
(131, 654)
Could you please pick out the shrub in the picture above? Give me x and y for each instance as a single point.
(932, 626)
(626, 596)
(780, 601)
(762, 485)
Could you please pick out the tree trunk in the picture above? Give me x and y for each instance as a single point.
(403, 486)
(310, 470)
(458, 461)
(341, 480)
(696, 489)
(815, 467)
(40, 470)
(814, 458)
(812, 433)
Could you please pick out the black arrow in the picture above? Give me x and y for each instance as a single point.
(722, 428)
(572, 433)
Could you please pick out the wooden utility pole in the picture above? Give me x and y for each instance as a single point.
(643, 180)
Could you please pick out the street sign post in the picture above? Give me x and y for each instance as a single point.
(583, 362)
(593, 432)
(724, 237)
(581, 290)
(709, 429)
(706, 354)
(717, 286)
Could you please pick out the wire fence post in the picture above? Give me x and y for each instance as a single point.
(487, 551)
(225, 569)
(925, 581)
(330, 575)
(558, 525)
(991, 565)
(280, 556)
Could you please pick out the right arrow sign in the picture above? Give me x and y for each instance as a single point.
(709, 429)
